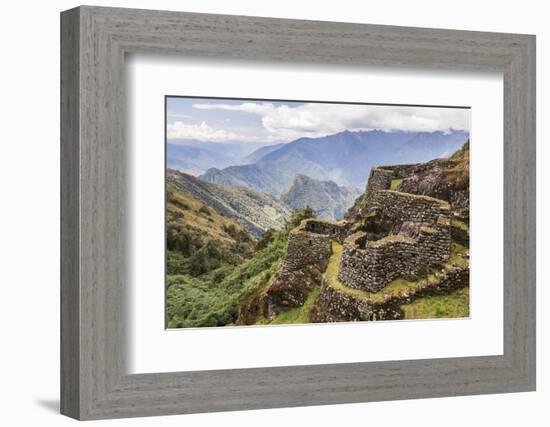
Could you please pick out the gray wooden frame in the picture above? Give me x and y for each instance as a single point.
(94, 41)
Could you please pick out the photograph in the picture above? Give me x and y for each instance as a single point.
(293, 212)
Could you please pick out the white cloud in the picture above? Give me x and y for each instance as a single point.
(181, 130)
(316, 119)
(176, 115)
(247, 107)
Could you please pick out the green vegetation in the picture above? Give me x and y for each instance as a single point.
(298, 215)
(211, 259)
(459, 174)
(459, 224)
(458, 256)
(294, 315)
(455, 304)
(199, 239)
(462, 155)
(397, 288)
(395, 183)
(213, 265)
(331, 273)
(211, 299)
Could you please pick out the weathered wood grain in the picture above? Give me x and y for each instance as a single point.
(94, 382)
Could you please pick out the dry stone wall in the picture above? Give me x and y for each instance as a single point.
(400, 208)
(445, 179)
(335, 306)
(307, 245)
(308, 250)
(334, 230)
(418, 240)
(380, 179)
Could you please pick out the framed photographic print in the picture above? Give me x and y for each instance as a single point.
(261, 213)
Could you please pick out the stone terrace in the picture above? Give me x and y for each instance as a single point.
(417, 237)
(308, 251)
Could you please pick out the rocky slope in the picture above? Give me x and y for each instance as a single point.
(199, 239)
(250, 176)
(254, 210)
(328, 199)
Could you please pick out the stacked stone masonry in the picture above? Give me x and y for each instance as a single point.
(336, 306)
(380, 177)
(418, 238)
(335, 230)
(307, 247)
(308, 251)
(434, 178)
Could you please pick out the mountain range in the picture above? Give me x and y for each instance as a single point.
(195, 157)
(345, 158)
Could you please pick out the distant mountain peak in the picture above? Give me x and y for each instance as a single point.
(328, 199)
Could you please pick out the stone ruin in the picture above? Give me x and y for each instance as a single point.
(404, 235)
(438, 178)
(381, 177)
(308, 251)
(393, 234)
(334, 230)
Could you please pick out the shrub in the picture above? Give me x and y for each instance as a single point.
(298, 215)
(204, 210)
(211, 298)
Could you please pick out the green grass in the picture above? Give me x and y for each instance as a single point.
(459, 224)
(294, 315)
(395, 183)
(334, 261)
(455, 304)
(397, 288)
(457, 258)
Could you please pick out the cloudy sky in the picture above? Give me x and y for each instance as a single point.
(221, 120)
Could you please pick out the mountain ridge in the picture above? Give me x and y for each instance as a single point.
(254, 210)
(345, 158)
(195, 156)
